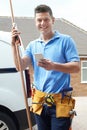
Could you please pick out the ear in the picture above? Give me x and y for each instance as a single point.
(53, 20)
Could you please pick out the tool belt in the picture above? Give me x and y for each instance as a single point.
(64, 104)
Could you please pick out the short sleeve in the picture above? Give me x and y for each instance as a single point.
(70, 50)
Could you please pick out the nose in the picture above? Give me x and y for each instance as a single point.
(42, 22)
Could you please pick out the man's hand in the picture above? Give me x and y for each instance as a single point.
(15, 36)
(46, 64)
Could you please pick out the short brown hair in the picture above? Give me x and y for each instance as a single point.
(42, 9)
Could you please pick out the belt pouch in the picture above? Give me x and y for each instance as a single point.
(64, 106)
(37, 102)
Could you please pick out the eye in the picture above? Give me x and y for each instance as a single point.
(39, 20)
(46, 20)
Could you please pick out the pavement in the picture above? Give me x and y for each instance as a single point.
(79, 121)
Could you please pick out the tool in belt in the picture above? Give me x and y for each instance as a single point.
(48, 99)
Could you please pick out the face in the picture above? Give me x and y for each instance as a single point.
(44, 22)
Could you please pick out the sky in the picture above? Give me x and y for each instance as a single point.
(75, 11)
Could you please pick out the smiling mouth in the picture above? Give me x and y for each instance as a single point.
(43, 28)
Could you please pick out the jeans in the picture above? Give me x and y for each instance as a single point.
(48, 121)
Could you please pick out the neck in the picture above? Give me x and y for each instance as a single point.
(47, 37)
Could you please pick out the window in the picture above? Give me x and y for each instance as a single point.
(83, 71)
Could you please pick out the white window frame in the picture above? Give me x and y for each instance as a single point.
(82, 68)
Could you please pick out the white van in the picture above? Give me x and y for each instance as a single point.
(12, 105)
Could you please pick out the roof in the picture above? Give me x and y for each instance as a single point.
(29, 32)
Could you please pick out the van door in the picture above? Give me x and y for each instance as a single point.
(12, 106)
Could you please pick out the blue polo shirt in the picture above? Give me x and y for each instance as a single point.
(62, 49)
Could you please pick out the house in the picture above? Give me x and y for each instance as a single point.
(28, 32)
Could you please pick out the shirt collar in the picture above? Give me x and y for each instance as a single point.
(56, 35)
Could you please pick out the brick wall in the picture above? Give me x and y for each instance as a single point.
(80, 89)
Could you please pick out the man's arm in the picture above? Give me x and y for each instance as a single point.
(70, 67)
(25, 61)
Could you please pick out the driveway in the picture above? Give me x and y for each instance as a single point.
(80, 121)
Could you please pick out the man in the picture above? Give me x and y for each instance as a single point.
(51, 73)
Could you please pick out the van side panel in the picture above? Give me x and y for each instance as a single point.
(11, 93)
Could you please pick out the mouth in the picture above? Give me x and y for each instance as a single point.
(43, 28)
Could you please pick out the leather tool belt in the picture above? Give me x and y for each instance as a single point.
(64, 104)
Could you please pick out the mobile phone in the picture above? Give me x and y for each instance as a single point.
(38, 56)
